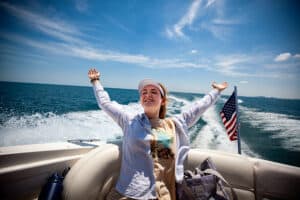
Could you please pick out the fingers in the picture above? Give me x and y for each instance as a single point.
(93, 73)
(221, 86)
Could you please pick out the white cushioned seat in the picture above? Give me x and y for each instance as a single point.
(96, 173)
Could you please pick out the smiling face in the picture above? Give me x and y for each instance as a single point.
(151, 100)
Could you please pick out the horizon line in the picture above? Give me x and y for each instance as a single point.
(189, 92)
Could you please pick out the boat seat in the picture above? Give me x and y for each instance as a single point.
(95, 174)
(252, 178)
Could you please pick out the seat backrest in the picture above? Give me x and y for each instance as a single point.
(94, 175)
(252, 178)
(237, 170)
(275, 180)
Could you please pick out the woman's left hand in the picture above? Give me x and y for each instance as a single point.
(219, 86)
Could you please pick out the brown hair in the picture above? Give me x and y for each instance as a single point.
(163, 108)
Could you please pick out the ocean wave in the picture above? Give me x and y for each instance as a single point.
(50, 127)
(281, 126)
(224, 99)
(175, 104)
(212, 134)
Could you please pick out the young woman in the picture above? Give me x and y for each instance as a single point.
(154, 147)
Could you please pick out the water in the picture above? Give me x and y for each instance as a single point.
(40, 113)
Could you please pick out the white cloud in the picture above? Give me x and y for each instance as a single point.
(219, 32)
(187, 19)
(220, 21)
(283, 57)
(240, 65)
(69, 42)
(194, 51)
(117, 23)
(214, 22)
(231, 60)
(230, 65)
(297, 56)
(90, 53)
(169, 33)
(210, 2)
(57, 29)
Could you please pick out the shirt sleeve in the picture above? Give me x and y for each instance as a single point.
(192, 115)
(112, 108)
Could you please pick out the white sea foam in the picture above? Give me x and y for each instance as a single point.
(179, 100)
(223, 100)
(280, 125)
(176, 104)
(213, 135)
(49, 127)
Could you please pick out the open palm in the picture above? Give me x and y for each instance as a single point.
(93, 74)
(220, 86)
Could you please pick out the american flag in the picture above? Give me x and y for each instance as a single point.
(229, 117)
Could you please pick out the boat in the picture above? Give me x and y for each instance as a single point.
(94, 168)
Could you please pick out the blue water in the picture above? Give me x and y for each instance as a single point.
(41, 113)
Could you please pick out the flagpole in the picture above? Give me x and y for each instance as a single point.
(237, 121)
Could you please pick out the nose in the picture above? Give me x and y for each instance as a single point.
(147, 94)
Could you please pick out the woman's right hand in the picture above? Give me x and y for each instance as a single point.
(93, 74)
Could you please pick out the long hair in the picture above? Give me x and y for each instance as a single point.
(163, 108)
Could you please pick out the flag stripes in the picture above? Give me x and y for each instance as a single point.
(229, 117)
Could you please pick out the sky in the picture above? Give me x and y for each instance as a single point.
(184, 44)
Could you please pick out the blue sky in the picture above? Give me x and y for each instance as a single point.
(185, 44)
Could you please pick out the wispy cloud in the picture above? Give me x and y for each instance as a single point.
(117, 24)
(65, 39)
(228, 65)
(194, 51)
(50, 47)
(214, 22)
(72, 45)
(231, 60)
(285, 57)
(90, 53)
(240, 65)
(244, 82)
(210, 2)
(220, 21)
(57, 29)
(187, 19)
(218, 31)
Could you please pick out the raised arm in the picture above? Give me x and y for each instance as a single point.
(112, 108)
(192, 115)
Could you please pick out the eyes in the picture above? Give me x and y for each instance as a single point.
(151, 91)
